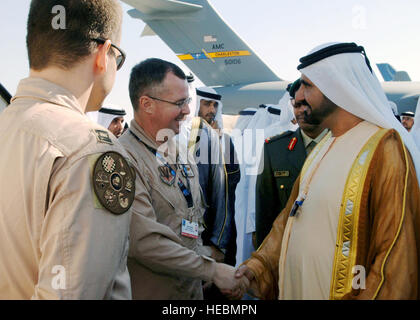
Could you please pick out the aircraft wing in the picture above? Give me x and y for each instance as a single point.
(203, 41)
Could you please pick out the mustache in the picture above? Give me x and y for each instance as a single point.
(211, 115)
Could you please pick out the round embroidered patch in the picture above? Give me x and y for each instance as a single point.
(114, 182)
(108, 164)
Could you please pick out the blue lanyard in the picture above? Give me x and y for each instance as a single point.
(185, 190)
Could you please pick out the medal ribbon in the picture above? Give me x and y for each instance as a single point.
(185, 190)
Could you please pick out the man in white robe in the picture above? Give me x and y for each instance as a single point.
(110, 117)
(349, 230)
(415, 131)
(244, 118)
(267, 121)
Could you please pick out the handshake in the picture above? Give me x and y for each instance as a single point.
(231, 282)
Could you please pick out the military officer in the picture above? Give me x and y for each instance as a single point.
(167, 259)
(66, 185)
(284, 156)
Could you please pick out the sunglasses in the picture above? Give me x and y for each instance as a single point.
(119, 58)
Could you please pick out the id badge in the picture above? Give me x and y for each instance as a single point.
(189, 229)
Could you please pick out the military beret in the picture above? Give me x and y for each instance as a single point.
(293, 87)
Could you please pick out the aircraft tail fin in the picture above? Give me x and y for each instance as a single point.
(202, 40)
(390, 74)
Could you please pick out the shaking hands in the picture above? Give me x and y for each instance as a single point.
(231, 282)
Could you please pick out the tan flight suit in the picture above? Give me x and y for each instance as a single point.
(56, 240)
(163, 264)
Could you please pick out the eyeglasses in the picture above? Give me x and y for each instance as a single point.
(180, 104)
(120, 58)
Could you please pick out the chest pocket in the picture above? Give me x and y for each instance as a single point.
(285, 178)
(169, 203)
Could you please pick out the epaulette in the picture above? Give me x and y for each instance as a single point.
(278, 136)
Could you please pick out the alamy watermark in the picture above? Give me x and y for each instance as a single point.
(58, 281)
(59, 20)
(359, 279)
(248, 146)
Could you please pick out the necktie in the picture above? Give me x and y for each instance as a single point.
(310, 147)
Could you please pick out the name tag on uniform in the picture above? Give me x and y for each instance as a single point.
(102, 136)
(189, 229)
(278, 174)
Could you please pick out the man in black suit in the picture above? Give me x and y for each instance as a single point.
(284, 156)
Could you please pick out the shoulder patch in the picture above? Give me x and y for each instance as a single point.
(102, 136)
(292, 143)
(114, 182)
(278, 136)
(285, 134)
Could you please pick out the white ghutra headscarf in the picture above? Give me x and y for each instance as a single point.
(105, 115)
(207, 93)
(415, 131)
(347, 80)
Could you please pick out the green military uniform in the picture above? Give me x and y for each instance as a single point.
(284, 156)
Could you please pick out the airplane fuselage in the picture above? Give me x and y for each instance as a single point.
(238, 97)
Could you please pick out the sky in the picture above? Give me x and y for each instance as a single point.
(280, 32)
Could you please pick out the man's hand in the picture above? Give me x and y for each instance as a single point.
(245, 276)
(230, 285)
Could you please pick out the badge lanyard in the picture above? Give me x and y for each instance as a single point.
(185, 190)
(288, 228)
(301, 198)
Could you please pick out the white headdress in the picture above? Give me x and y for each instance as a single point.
(206, 93)
(394, 108)
(245, 117)
(343, 74)
(105, 115)
(415, 131)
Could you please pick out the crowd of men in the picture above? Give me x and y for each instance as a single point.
(171, 207)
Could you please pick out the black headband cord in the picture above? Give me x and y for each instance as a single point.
(113, 112)
(332, 51)
(208, 95)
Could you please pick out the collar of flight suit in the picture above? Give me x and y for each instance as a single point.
(41, 89)
(150, 142)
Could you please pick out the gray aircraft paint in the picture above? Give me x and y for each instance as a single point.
(200, 37)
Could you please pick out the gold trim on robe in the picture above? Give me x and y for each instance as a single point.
(346, 243)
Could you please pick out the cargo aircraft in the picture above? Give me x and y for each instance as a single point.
(206, 44)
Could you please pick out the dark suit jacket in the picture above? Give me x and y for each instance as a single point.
(274, 185)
